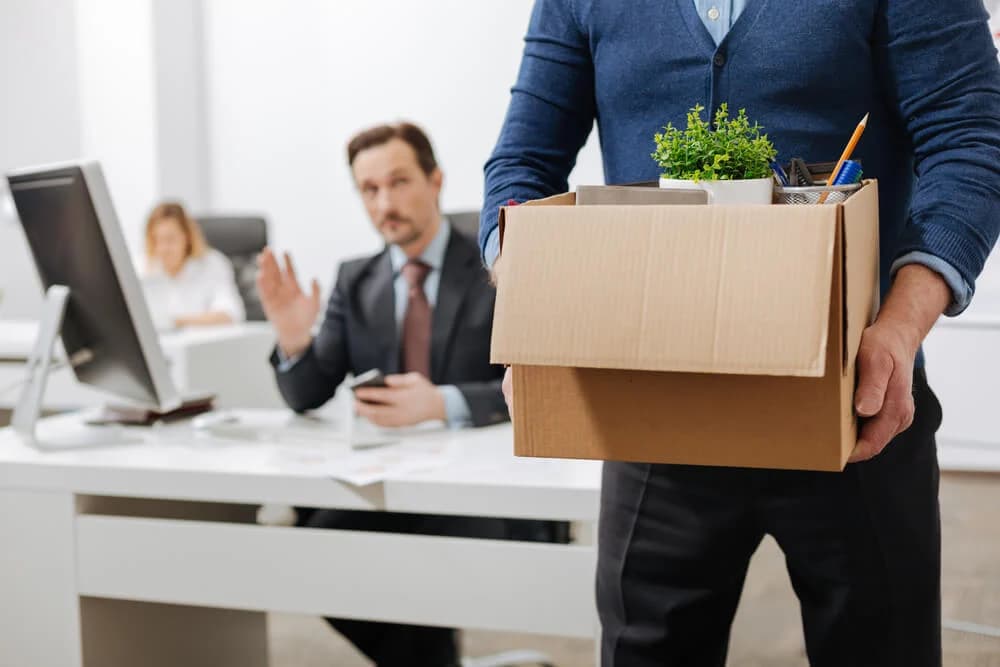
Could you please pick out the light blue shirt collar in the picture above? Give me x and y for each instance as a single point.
(719, 16)
(433, 254)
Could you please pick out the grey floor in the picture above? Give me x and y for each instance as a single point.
(767, 629)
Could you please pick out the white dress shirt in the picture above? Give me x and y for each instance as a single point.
(204, 284)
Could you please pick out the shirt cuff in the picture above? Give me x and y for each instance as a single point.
(456, 408)
(286, 363)
(492, 249)
(961, 291)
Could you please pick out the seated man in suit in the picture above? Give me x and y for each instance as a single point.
(421, 311)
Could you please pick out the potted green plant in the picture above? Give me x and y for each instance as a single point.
(729, 158)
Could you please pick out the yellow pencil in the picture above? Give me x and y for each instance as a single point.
(858, 131)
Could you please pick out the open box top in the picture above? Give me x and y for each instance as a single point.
(702, 289)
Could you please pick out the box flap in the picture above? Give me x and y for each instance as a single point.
(720, 289)
(564, 199)
(861, 267)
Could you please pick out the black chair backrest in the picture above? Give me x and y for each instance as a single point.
(465, 222)
(240, 238)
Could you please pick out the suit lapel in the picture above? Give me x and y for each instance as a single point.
(460, 270)
(378, 303)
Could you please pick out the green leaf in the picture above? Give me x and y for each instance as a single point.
(729, 148)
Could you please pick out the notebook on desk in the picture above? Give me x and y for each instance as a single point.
(130, 415)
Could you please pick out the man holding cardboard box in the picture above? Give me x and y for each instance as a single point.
(741, 355)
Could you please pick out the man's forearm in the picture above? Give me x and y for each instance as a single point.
(917, 298)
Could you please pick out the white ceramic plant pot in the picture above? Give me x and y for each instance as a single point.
(750, 191)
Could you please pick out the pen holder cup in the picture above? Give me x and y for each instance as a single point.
(811, 194)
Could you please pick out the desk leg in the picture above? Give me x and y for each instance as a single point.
(122, 633)
(39, 609)
(125, 633)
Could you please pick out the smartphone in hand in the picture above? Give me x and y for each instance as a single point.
(372, 378)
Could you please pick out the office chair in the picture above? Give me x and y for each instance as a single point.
(465, 223)
(240, 238)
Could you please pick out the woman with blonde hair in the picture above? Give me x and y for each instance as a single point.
(187, 283)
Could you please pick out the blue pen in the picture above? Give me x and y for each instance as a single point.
(780, 173)
(850, 172)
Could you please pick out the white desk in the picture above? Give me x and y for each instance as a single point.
(963, 367)
(90, 538)
(230, 361)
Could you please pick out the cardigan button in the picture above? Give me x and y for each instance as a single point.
(719, 60)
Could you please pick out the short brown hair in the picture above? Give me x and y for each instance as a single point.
(196, 244)
(381, 134)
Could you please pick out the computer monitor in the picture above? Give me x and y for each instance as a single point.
(93, 296)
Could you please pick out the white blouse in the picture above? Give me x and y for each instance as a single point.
(203, 284)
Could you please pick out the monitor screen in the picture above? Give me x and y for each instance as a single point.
(75, 241)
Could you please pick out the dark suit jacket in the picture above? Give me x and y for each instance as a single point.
(359, 333)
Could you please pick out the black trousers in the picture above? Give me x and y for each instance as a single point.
(862, 547)
(401, 645)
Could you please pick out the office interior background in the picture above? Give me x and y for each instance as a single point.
(242, 107)
(246, 108)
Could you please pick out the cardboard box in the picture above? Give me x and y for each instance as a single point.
(709, 335)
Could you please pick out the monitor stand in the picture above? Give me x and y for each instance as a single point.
(24, 420)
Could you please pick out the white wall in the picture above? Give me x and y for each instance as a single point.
(40, 115)
(182, 142)
(116, 80)
(118, 104)
(39, 122)
(140, 68)
(289, 83)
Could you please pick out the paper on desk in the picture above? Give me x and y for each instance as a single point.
(361, 468)
(397, 454)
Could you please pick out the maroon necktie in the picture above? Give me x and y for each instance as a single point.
(417, 321)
